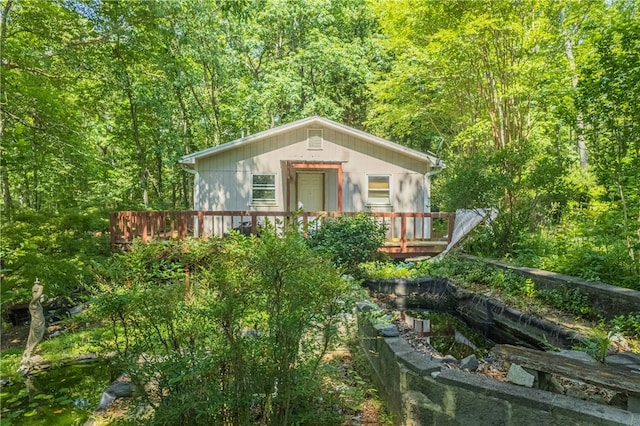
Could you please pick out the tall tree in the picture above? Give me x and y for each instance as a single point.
(609, 91)
(474, 78)
(44, 156)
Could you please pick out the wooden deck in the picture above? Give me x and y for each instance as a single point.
(408, 234)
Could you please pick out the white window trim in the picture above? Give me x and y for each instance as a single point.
(273, 202)
(379, 203)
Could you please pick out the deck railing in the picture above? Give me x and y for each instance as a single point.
(419, 233)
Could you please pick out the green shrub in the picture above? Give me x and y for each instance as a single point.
(568, 300)
(597, 343)
(348, 240)
(627, 324)
(586, 243)
(242, 343)
(388, 270)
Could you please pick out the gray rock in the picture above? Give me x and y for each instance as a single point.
(469, 363)
(72, 312)
(120, 388)
(366, 306)
(519, 376)
(387, 330)
(105, 400)
(624, 359)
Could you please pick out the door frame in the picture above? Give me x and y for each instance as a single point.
(293, 166)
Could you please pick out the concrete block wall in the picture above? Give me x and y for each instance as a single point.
(420, 391)
(607, 300)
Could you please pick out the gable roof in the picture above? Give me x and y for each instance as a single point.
(311, 121)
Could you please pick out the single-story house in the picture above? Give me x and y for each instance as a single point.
(313, 164)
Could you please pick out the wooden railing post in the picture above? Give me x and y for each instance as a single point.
(403, 232)
(128, 231)
(305, 223)
(200, 224)
(452, 222)
(113, 229)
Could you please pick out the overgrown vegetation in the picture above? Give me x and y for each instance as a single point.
(348, 240)
(586, 242)
(512, 289)
(242, 343)
(627, 324)
(570, 300)
(59, 249)
(526, 102)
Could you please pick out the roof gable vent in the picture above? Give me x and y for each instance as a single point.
(314, 139)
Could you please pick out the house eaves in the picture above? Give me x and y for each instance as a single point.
(435, 162)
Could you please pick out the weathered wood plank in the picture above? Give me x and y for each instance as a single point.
(552, 362)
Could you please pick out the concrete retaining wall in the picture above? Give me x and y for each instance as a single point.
(492, 318)
(607, 300)
(419, 391)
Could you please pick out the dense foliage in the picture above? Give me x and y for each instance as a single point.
(348, 240)
(58, 249)
(514, 289)
(532, 105)
(240, 343)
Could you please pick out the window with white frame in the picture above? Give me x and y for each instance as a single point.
(378, 189)
(263, 188)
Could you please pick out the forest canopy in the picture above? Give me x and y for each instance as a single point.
(533, 105)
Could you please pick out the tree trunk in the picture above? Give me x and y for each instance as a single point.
(6, 189)
(159, 182)
(36, 199)
(133, 111)
(581, 140)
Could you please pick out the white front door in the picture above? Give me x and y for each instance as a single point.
(311, 191)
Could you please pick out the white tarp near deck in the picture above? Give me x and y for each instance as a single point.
(466, 221)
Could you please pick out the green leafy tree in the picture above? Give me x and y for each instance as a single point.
(241, 343)
(45, 163)
(608, 97)
(57, 249)
(479, 82)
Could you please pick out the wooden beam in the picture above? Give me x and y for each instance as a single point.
(619, 379)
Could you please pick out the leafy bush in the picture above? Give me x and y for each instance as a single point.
(59, 249)
(587, 243)
(241, 343)
(348, 240)
(627, 324)
(568, 300)
(388, 270)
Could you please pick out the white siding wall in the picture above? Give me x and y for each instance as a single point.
(225, 179)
